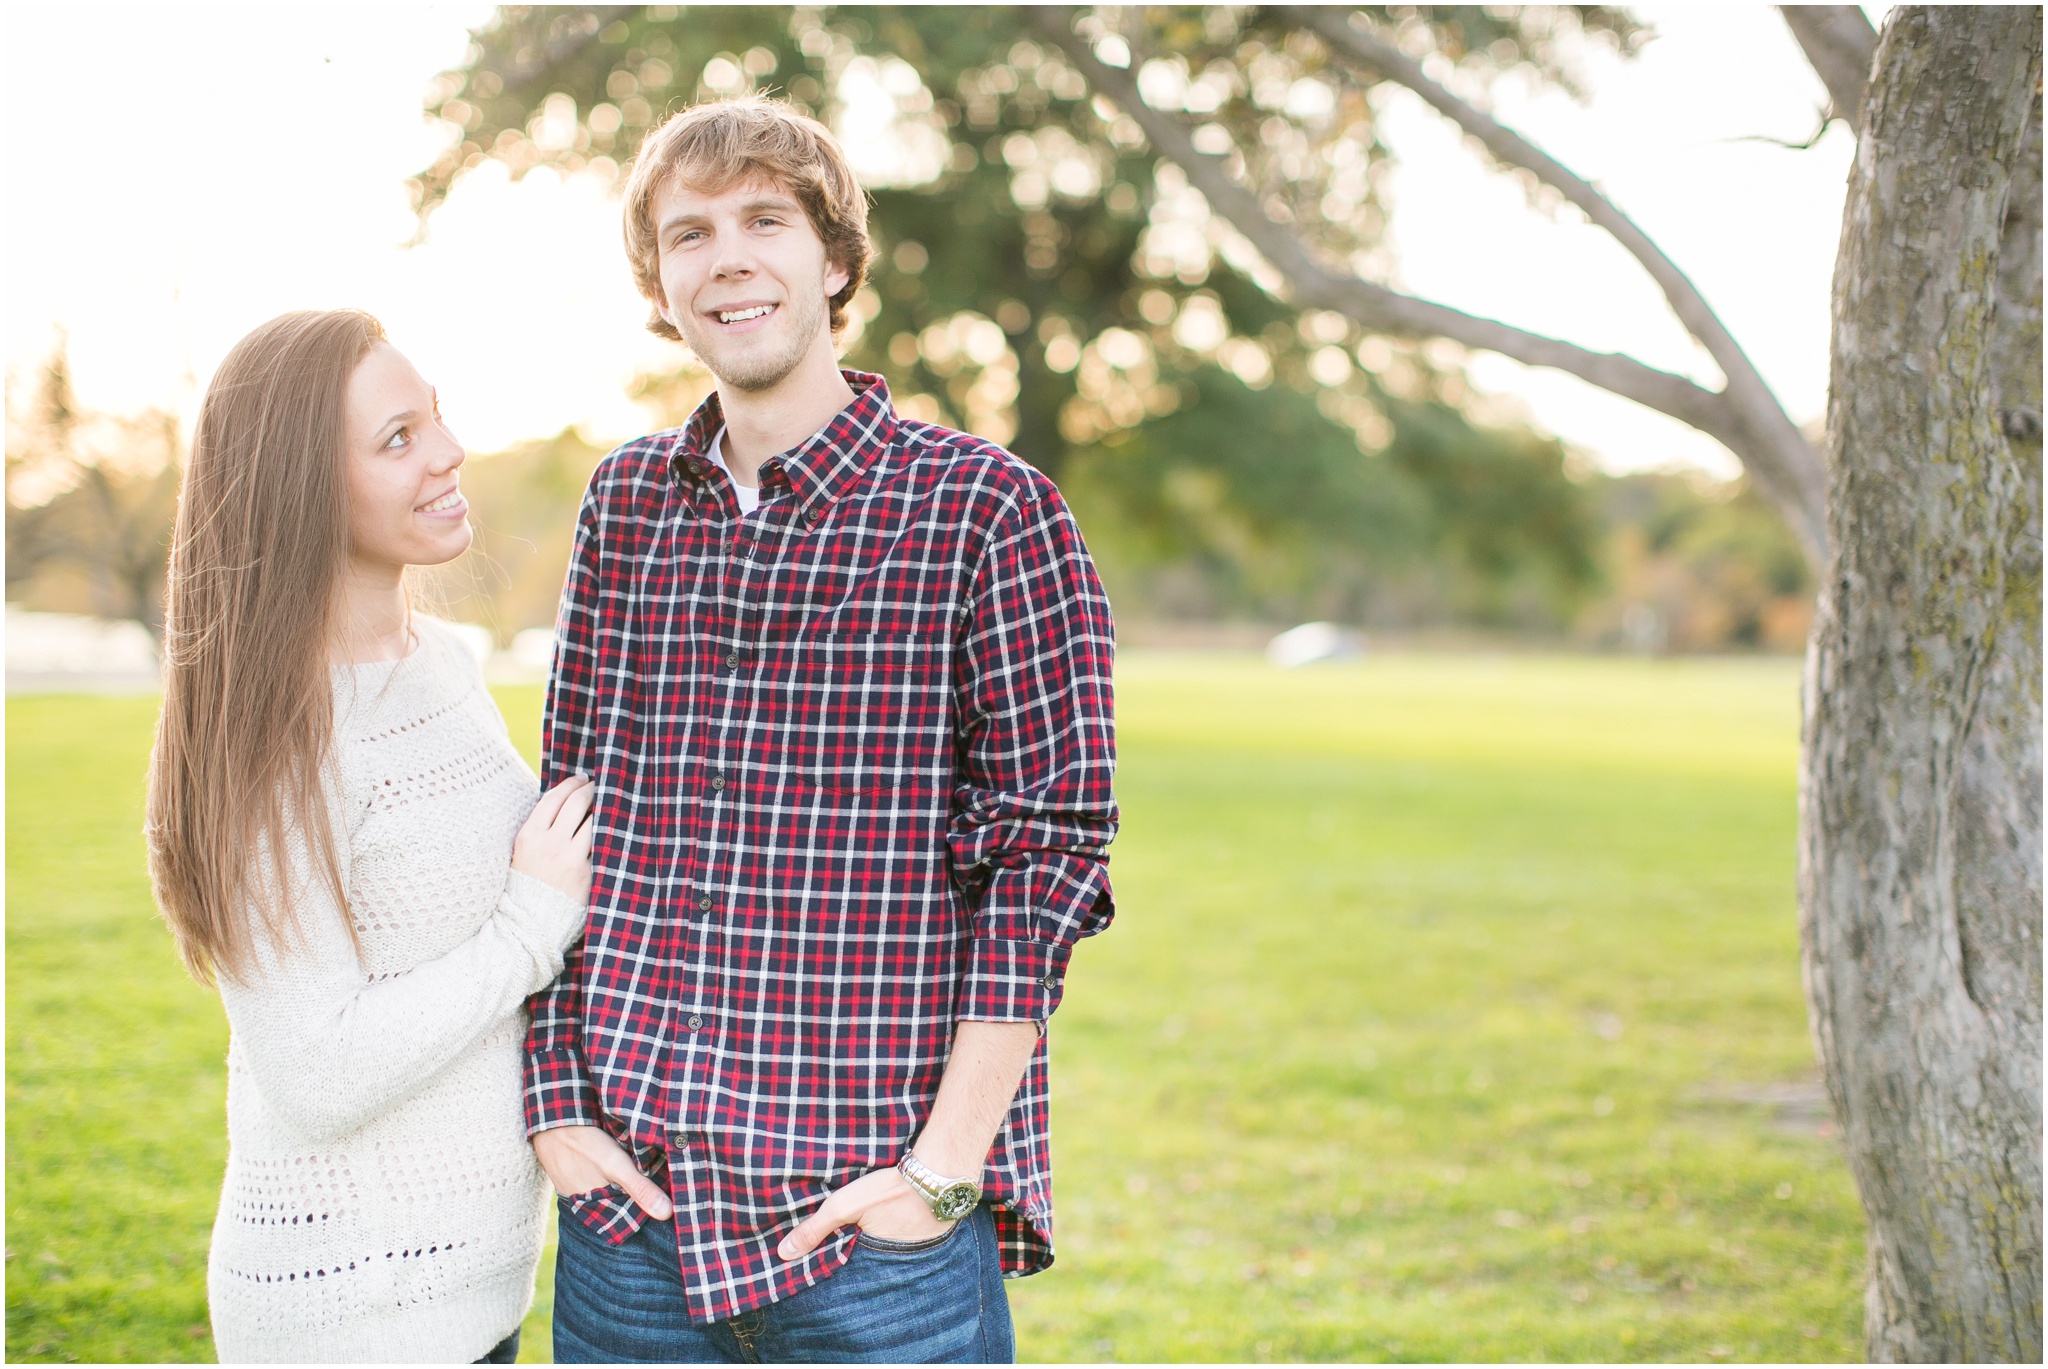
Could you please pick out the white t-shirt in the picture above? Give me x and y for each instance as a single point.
(749, 495)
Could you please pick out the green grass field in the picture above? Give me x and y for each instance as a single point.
(1420, 1035)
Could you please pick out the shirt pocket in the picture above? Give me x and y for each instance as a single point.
(870, 712)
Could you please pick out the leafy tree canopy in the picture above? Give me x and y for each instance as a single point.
(1045, 281)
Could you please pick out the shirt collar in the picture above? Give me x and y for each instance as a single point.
(821, 468)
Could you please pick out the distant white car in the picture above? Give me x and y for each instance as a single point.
(534, 649)
(480, 640)
(1312, 642)
(68, 650)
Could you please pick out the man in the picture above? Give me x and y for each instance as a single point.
(843, 681)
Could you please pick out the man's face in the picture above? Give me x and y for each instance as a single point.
(744, 279)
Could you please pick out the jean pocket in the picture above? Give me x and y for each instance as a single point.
(883, 1246)
(606, 1214)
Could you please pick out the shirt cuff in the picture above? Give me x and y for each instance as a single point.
(1012, 980)
(558, 1092)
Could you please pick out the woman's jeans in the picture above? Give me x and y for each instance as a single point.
(936, 1302)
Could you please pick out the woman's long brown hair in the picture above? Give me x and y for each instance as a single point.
(257, 557)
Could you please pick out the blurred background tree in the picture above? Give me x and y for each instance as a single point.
(90, 499)
(1046, 280)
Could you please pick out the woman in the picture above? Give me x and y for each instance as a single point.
(341, 833)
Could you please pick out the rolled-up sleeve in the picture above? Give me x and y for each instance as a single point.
(1033, 805)
(558, 1088)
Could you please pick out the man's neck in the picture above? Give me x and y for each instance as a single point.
(764, 423)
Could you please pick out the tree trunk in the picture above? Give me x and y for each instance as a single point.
(1920, 786)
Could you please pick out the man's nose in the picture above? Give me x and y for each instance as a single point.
(734, 260)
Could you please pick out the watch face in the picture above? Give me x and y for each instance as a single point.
(956, 1201)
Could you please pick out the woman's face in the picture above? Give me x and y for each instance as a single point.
(404, 505)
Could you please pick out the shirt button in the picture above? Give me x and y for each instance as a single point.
(704, 904)
(696, 1022)
(732, 661)
(1050, 981)
(718, 781)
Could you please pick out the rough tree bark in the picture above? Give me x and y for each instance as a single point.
(1920, 793)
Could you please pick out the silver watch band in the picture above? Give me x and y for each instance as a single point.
(949, 1199)
(925, 1179)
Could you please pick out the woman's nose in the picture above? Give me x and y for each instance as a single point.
(447, 453)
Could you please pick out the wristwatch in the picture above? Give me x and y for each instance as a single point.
(949, 1199)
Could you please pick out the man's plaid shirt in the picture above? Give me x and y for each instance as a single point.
(853, 757)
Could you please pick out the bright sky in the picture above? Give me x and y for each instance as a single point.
(263, 170)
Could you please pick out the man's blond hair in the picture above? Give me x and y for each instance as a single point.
(714, 146)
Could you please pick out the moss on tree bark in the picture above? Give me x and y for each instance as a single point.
(1921, 781)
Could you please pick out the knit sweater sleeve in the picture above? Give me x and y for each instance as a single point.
(329, 1048)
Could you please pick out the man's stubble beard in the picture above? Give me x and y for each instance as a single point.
(755, 373)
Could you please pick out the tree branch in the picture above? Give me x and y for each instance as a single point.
(1383, 310)
(1779, 455)
(1840, 44)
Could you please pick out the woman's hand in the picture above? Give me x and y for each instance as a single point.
(554, 844)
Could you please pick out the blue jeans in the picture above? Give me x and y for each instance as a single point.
(938, 1302)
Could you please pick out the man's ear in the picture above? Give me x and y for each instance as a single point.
(836, 277)
(661, 307)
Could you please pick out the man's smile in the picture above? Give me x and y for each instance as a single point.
(744, 314)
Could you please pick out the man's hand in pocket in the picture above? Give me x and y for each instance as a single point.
(580, 1159)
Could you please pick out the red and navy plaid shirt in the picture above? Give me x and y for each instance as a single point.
(853, 755)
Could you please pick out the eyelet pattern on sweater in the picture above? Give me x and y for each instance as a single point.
(381, 1201)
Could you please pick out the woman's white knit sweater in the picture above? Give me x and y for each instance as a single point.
(381, 1201)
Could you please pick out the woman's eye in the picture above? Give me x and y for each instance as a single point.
(401, 438)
